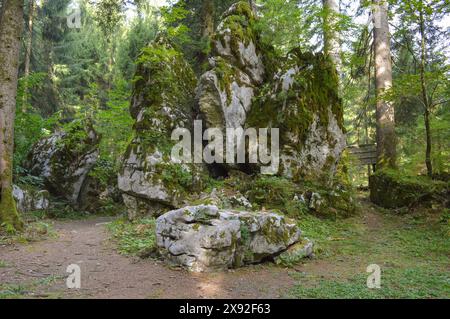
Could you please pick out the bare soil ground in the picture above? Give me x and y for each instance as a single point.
(412, 250)
(107, 274)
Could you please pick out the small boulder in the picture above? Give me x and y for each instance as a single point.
(204, 238)
(31, 200)
(295, 253)
(390, 189)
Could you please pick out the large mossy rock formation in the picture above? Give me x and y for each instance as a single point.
(65, 159)
(204, 238)
(163, 99)
(302, 101)
(389, 189)
(226, 91)
(249, 87)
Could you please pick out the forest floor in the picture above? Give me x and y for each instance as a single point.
(413, 252)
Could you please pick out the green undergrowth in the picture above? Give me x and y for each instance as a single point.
(133, 238)
(412, 251)
(291, 199)
(409, 283)
(393, 189)
(29, 290)
(33, 231)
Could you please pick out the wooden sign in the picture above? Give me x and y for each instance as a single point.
(365, 154)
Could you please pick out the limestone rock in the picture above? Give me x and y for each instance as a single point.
(162, 101)
(303, 102)
(248, 88)
(226, 91)
(296, 253)
(31, 200)
(204, 238)
(65, 159)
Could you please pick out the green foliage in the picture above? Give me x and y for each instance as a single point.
(114, 124)
(29, 289)
(176, 30)
(134, 238)
(30, 126)
(411, 251)
(410, 283)
(289, 198)
(177, 174)
(286, 25)
(32, 232)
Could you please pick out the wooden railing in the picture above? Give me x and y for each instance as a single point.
(365, 154)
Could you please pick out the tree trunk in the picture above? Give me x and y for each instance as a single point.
(332, 46)
(252, 4)
(28, 52)
(11, 26)
(386, 138)
(207, 27)
(426, 101)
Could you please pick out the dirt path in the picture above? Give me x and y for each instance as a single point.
(106, 274)
(411, 251)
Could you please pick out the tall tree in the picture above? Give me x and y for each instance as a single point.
(386, 138)
(207, 28)
(427, 81)
(11, 25)
(425, 98)
(31, 11)
(332, 46)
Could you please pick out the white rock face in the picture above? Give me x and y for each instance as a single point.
(218, 108)
(322, 150)
(204, 238)
(149, 179)
(316, 150)
(225, 92)
(28, 200)
(65, 168)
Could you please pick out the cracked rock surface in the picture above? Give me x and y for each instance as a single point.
(204, 238)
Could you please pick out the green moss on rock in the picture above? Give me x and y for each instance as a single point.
(391, 189)
(313, 92)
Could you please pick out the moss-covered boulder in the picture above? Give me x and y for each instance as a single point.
(226, 91)
(302, 101)
(391, 189)
(204, 238)
(65, 159)
(163, 98)
(248, 86)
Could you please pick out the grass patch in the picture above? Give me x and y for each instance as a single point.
(34, 231)
(409, 283)
(413, 252)
(134, 238)
(29, 290)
